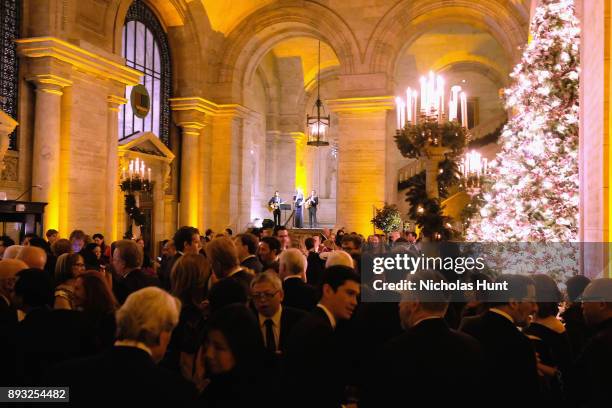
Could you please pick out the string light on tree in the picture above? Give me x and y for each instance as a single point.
(535, 191)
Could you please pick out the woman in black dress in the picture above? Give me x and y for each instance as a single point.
(550, 341)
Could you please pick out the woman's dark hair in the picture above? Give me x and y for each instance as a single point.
(548, 295)
(63, 267)
(34, 287)
(99, 299)
(91, 261)
(575, 286)
(241, 331)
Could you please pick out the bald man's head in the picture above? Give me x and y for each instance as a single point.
(8, 270)
(33, 256)
(597, 301)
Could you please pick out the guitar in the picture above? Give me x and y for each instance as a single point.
(274, 206)
(309, 203)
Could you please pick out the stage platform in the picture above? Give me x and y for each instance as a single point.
(300, 234)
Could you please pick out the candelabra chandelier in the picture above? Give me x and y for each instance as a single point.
(134, 179)
(318, 125)
(474, 168)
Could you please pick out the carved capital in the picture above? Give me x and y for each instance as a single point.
(50, 83)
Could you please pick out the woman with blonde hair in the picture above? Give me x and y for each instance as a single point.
(189, 282)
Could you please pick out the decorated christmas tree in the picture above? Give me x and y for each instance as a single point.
(533, 195)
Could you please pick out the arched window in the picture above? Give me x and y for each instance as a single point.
(145, 48)
(9, 63)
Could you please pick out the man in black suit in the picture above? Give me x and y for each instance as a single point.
(429, 357)
(128, 373)
(591, 380)
(268, 251)
(312, 203)
(246, 245)
(274, 204)
(292, 270)
(314, 373)
(511, 367)
(314, 268)
(127, 260)
(275, 321)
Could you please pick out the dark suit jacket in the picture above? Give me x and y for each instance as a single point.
(314, 270)
(46, 337)
(252, 263)
(591, 377)
(244, 278)
(135, 280)
(121, 375)
(289, 318)
(313, 373)
(299, 294)
(510, 359)
(442, 365)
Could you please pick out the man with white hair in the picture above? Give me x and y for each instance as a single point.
(128, 373)
(339, 257)
(292, 270)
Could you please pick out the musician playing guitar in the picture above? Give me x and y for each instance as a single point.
(274, 206)
(311, 204)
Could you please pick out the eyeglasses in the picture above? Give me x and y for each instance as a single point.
(263, 295)
(80, 265)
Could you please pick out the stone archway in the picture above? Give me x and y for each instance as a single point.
(257, 34)
(405, 22)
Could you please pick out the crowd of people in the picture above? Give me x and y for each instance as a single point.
(259, 319)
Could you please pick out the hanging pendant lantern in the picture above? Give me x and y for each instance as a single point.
(318, 126)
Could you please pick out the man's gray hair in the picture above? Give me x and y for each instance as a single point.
(147, 313)
(293, 260)
(267, 277)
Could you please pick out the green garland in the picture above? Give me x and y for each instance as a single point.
(412, 140)
(387, 219)
(134, 213)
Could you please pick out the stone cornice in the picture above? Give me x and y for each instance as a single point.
(210, 108)
(86, 61)
(363, 104)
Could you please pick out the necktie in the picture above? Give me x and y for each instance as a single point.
(270, 342)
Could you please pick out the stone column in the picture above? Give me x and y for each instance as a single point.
(112, 166)
(189, 207)
(46, 149)
(7, 125)
(362, 133)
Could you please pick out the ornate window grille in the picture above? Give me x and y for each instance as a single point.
(145, 48)
(9, 63)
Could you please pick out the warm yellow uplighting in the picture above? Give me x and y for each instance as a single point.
(300, 156)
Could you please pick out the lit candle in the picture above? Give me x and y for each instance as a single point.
(464, 118)
(131, 168)
(409, 104)
(123, 173)
(415, 98)
(431, 92)
(423, 94)
(398, 111)
(149, 175)
(452, 114)
(440, 89)
(142, 169)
